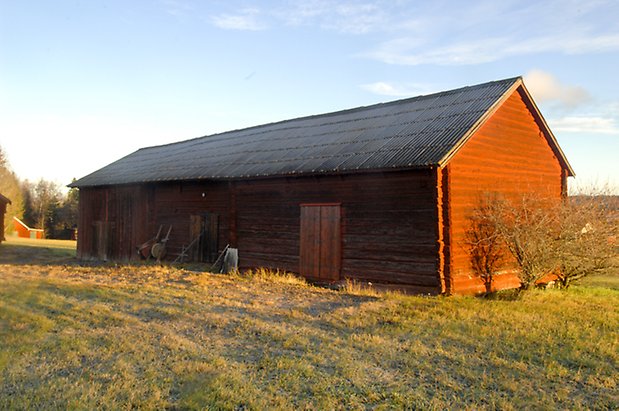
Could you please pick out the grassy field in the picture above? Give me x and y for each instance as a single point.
(123, 337)
(17, 250)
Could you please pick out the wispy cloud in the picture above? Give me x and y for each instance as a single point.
(415, 51)
(491, 31)
(584, 125)
(442, 32)
(398, 90)
(245, 19)
(546, 88)
(345, 17)
(559, 99)
(177, 8)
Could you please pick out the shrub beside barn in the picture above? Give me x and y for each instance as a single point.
(378, 193)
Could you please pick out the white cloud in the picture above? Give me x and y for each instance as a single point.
(177, 8)
(546, 88)
(344, 17)
(356, 18)
(398, 90)
(415, 51)
(584, 125)
(246, 19)
(488, 31)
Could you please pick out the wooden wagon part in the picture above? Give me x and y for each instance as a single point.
(146, 246)
(184, 249)
(158, 250)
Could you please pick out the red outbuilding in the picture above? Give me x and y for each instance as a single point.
(23, 231)
(378, 193)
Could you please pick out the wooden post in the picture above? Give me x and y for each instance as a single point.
(441, 176)
(232, 235)
(563, 183)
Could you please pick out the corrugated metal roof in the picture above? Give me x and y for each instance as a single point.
(414, 132)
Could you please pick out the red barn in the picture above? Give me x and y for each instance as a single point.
(378, 193)
(3, 203)
(23, 231)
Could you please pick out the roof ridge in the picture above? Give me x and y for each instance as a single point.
(412, 132)
(341, 112)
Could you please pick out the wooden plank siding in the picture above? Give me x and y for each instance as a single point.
(509, 155)
(112, 221)
(388, 224)
(389, 221)
(175, 203)
(134, 213)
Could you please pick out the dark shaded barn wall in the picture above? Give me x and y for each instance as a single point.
(509, 155)
(112, 220)
(3, 203)
(388, 221)
(115, 220)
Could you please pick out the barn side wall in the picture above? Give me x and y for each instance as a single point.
(389, 224)
(389, 221)
(115, 220)
(112, 220)
(508, 155)
(2, 212)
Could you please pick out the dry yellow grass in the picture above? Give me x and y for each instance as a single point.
(150, 337)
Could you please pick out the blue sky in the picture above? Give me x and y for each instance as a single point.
(83, 83)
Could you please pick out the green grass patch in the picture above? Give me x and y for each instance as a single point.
(17, 250)
(608, 280)
(156, 337)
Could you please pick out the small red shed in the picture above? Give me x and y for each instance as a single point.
(378, 193)
(23, 231)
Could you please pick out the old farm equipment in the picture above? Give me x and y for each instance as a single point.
(156, 246)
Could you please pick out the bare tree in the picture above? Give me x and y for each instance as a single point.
(527, 228)
(587, 232)
(485, 245)
(570, 238)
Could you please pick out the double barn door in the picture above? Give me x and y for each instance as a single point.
(320, 253)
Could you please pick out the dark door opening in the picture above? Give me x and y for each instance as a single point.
(206, 226)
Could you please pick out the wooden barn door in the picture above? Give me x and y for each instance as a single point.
(205, 249)
(320, 251)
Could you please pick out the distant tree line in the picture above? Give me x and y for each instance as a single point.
(39, 205)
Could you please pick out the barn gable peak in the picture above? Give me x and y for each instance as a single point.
(517, 87)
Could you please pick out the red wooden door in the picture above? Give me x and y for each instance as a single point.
(320, 251)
